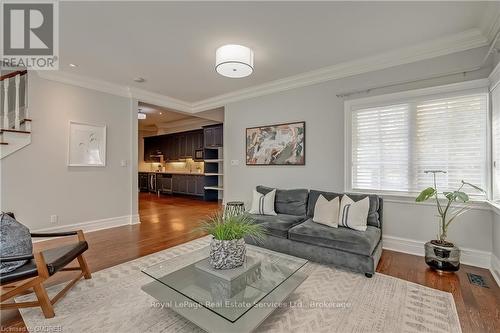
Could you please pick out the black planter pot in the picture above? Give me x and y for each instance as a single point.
(442, 256)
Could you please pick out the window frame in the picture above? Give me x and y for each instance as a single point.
(410, 96)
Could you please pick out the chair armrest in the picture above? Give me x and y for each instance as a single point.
(54, 234)
(17, 258)
(79, 233)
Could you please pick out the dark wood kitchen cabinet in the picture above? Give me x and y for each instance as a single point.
(188, 184)
(191, 184)
(213, 136)
(173, 147)
(198, 140)
(175, 183)
(190, 139)
(182, 145)
(182, 183)
(143, 182)
(200, 185)
(152, 148)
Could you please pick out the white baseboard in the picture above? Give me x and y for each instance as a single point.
(95, 225)
(495, 268)
(468, 256)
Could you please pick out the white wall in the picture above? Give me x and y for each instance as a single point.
(495, 253)
(324, 169)
(36, 181)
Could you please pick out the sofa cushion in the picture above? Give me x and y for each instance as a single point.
(278, 225)
(373, 214)
(263, 204)
(343, 239)
(291, 202)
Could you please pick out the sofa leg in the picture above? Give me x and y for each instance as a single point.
(368, 275)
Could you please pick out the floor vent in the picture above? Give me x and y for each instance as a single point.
(477, 280)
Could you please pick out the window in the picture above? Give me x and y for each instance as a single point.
(380, 148)
(392, 141)
(495, 106)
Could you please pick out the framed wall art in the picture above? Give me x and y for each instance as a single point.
(87, 145)
(281, 144)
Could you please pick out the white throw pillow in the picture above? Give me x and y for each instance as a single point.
(263, 204)
(354, 214)
(327, 212)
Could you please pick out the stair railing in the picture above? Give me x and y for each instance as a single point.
(5, 79)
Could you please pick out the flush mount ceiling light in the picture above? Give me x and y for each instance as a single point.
(139, 79)
(141, 115)
(234, 61)
(73, 65)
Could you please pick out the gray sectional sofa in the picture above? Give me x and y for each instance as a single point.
(293, 231)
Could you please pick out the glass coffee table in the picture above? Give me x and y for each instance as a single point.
(225, 301)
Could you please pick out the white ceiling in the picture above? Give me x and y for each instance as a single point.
(158, 117)
(172, 45)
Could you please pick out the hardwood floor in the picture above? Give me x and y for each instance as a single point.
(169, 221)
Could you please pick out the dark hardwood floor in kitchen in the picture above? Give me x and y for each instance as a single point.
(168, 221)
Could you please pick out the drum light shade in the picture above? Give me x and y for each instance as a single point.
(234, 61)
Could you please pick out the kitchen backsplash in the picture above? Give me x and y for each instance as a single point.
(188, 166)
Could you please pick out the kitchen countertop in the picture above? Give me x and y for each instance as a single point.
(175, 173)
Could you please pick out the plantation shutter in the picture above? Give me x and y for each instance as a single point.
(380, 148)
(393, 145)
(451, 136)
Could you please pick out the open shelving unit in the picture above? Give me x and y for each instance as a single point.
(214, 166)
(215, 188)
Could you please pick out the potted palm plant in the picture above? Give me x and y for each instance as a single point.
(227, 248)
(440, 254)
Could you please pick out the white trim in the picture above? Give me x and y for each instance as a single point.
(463, 41)
(116, 89)
(495, 268)
(494, 77)
(85, 82)
(494, 207)
(491, 23)
(410, 200)
(95, 225)
(481, 85)
(160, 100)
(467, 256)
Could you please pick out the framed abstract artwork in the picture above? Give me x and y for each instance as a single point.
(281, 144)
(87, 145)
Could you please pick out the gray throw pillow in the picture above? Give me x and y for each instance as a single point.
(15, 240)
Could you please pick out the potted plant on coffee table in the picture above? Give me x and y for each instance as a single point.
(227, 248)
(440, 254)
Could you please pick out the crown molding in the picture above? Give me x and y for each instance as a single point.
(494, 77)
(160, 100)
(463, 41)
(85, 82)
(116, 89)
(491, 21)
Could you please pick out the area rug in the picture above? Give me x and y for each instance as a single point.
(329, 300)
